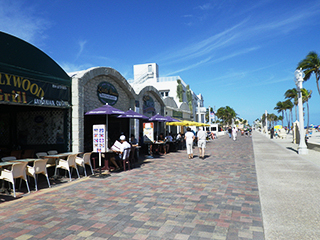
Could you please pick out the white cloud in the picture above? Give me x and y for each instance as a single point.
(22, 21)
(205, 6)
(242, 33)
(81, 43)
(71, 67)
(191, 66)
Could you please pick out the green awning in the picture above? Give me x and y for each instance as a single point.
(20, 58)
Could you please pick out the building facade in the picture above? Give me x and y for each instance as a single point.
(187, 104)
(35, 99)
(93, 88)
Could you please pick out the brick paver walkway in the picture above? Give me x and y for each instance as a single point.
(170, 197)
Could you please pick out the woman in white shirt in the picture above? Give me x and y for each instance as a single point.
(189, 137)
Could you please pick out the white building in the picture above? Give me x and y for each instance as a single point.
(148, 75)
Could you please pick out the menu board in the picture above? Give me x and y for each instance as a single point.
(99, 138)
(148, 132)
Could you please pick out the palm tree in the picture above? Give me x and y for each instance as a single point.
(280, 109)
(306, 95)
(292, 94)
(231, 114)
(208, 111)
(245, 122)
(272, 118)
(311, 64)
(226, 114)
(288, 105)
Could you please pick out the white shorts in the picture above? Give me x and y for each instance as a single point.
(202, 143)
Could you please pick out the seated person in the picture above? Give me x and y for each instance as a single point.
(123, 146)
(169, 137)
(133, 140)
(163, 147)
(178, 137)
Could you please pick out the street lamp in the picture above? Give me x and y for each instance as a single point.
(299, 75)
(266, 118)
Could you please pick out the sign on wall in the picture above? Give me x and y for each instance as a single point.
(177, 114)
(148, 105)
(20, 90)
(107, 93)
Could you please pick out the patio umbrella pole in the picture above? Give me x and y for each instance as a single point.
(100, 162)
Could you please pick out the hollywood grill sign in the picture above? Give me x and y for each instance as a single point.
(20, 90)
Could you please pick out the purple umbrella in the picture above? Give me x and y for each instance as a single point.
(171, 119)
(158, 118)
(132, 114)
(105, 110)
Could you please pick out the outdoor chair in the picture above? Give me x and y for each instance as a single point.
(18, 170)
(28, 153)
(132, 156)
(9, 158)
(85, 160)
(39, 166)
(16, 153)
(50, 162)
(126, 158)
(67, 164)
(52, 152)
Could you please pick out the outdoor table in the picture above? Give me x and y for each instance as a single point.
(4, 164)
(156, 143)
(29, 160)
(137, 151)
(107, 155)
(173, 146)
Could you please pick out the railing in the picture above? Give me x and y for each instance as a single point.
(201, 109)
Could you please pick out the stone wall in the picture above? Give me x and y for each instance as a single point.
(84, 98)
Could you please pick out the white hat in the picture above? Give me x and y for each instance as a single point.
(200, 128)
(122, 137)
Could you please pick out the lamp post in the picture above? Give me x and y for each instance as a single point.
(266, 127)
(299, 75)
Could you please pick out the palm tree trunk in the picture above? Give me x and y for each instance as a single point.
(317, 80)
(291, 118)
(308, 116)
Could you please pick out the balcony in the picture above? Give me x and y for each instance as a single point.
(201, 110)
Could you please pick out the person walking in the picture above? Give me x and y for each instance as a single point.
(271, 133)
(189, 137)
(234, 133)
(201, 135)
(229, 131)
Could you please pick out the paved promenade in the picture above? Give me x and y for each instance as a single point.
(170, 197)
(289, 186)
(173, 197)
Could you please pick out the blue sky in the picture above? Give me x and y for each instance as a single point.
(241, 54)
